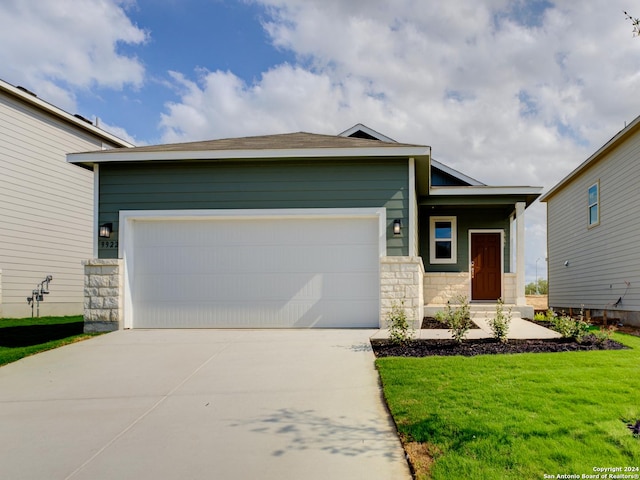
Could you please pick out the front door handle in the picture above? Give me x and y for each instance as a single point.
(473, 270)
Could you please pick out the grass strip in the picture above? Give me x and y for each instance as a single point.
(517, 416)
(21, 337)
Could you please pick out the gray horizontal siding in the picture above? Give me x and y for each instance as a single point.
(466, 219)
(256, 185)
(603, 257)
(46, 207)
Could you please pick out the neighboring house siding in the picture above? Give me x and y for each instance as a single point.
(467, 219)
(46, 209)
(603, 257)
(256, 185)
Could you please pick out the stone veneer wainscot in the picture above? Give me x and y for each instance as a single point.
(103, 295)
(442, 287)
(401, 280)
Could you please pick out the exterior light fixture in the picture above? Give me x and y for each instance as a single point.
(105, 230)
(397, 226)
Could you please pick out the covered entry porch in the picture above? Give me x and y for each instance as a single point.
(472, 244)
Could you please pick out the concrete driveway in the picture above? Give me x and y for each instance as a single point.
(199, 404)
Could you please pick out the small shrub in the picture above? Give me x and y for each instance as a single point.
(400, 329)
(500, 323)
(548, 316)
(458, 318)
(570, 328)
(603, 333)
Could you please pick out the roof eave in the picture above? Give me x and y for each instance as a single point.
(530, 193)
(110, 156)
(485, 190)
(61, 114)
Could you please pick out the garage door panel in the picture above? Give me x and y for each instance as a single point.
(256, 273)
(328, 314)
(282, 287)
(233, 232)
(203, 260)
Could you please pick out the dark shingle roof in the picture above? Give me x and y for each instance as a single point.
(286, 141)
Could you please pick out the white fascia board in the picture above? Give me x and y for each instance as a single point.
(128, 156)
(484, 190)
(53, 110)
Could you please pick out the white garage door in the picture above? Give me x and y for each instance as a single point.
(255, 273)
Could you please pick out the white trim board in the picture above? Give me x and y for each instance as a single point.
(107, 156)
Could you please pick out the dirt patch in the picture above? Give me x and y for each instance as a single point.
(615, 324)
(470, 348)
(538, 302)
(421, 457)
(629, 330)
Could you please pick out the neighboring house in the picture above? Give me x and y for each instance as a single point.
(593, 216)
(46, 205)
(294, 230)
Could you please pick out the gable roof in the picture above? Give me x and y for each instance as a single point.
(288, 145)
(76, 121)
(362, 131)
(456, 174)
(617, 139)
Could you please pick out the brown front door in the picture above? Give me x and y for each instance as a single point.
(486, 263)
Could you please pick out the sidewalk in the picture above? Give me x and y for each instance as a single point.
(518, 329)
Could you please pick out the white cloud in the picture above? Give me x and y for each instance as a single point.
(58, 46)
(120, 133)
(286, 99)
(449, 74)
(506, 92)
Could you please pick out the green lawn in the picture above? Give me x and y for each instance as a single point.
(518, 416)
(21, 337)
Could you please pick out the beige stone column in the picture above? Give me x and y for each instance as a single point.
(103, 295)
(401, 281)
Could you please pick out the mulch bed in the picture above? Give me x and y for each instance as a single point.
(430, 323)
(469, 348)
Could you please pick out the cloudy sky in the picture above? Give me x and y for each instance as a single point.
(509, 92)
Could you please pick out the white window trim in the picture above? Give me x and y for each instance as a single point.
(432, 240)
(597, 204)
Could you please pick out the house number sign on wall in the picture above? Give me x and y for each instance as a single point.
(108, 244)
